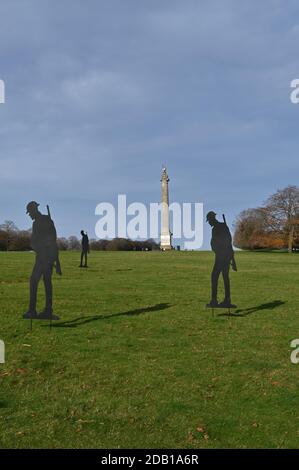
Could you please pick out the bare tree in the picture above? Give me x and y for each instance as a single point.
(11, 231)
(62, 244)
(9, 226)
(281, 209)
(73, 243)
(250, 229)
(3, 240)
(20, 241)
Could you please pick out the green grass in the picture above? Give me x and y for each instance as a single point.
(136, 360)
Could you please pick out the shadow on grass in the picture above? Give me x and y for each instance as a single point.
(3, 404)
(248, 311)
(91, 318)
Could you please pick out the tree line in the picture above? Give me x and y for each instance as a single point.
(274, 225)
(13, 239)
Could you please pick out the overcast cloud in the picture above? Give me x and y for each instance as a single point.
(100, 93)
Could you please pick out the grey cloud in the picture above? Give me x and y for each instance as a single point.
(99, 97)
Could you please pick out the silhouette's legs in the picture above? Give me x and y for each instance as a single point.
(34, 280)
(83, 255)
(214, 278)
(48, 287)
(225, 274)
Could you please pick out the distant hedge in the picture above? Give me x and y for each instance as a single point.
(13, 239)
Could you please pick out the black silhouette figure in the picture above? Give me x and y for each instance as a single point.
(221, 244)
(43, 242)
(84, 249)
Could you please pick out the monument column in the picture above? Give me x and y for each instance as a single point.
(165, 243)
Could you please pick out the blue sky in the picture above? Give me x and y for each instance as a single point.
(100, 93)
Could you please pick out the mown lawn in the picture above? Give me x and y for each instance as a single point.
(136, 360)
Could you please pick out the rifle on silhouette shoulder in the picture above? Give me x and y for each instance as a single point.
(233, 261)
(57, 262)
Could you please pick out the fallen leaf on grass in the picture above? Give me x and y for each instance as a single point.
(86, 386)
(71, 414)
(83, 421)
(200, 428)
(275, 383)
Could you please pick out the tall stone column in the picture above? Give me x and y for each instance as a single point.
(165, 243)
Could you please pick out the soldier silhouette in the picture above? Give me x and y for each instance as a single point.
(221, 244)
(43, 242)
(84, 249)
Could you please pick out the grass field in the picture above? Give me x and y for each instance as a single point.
(136, 360)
